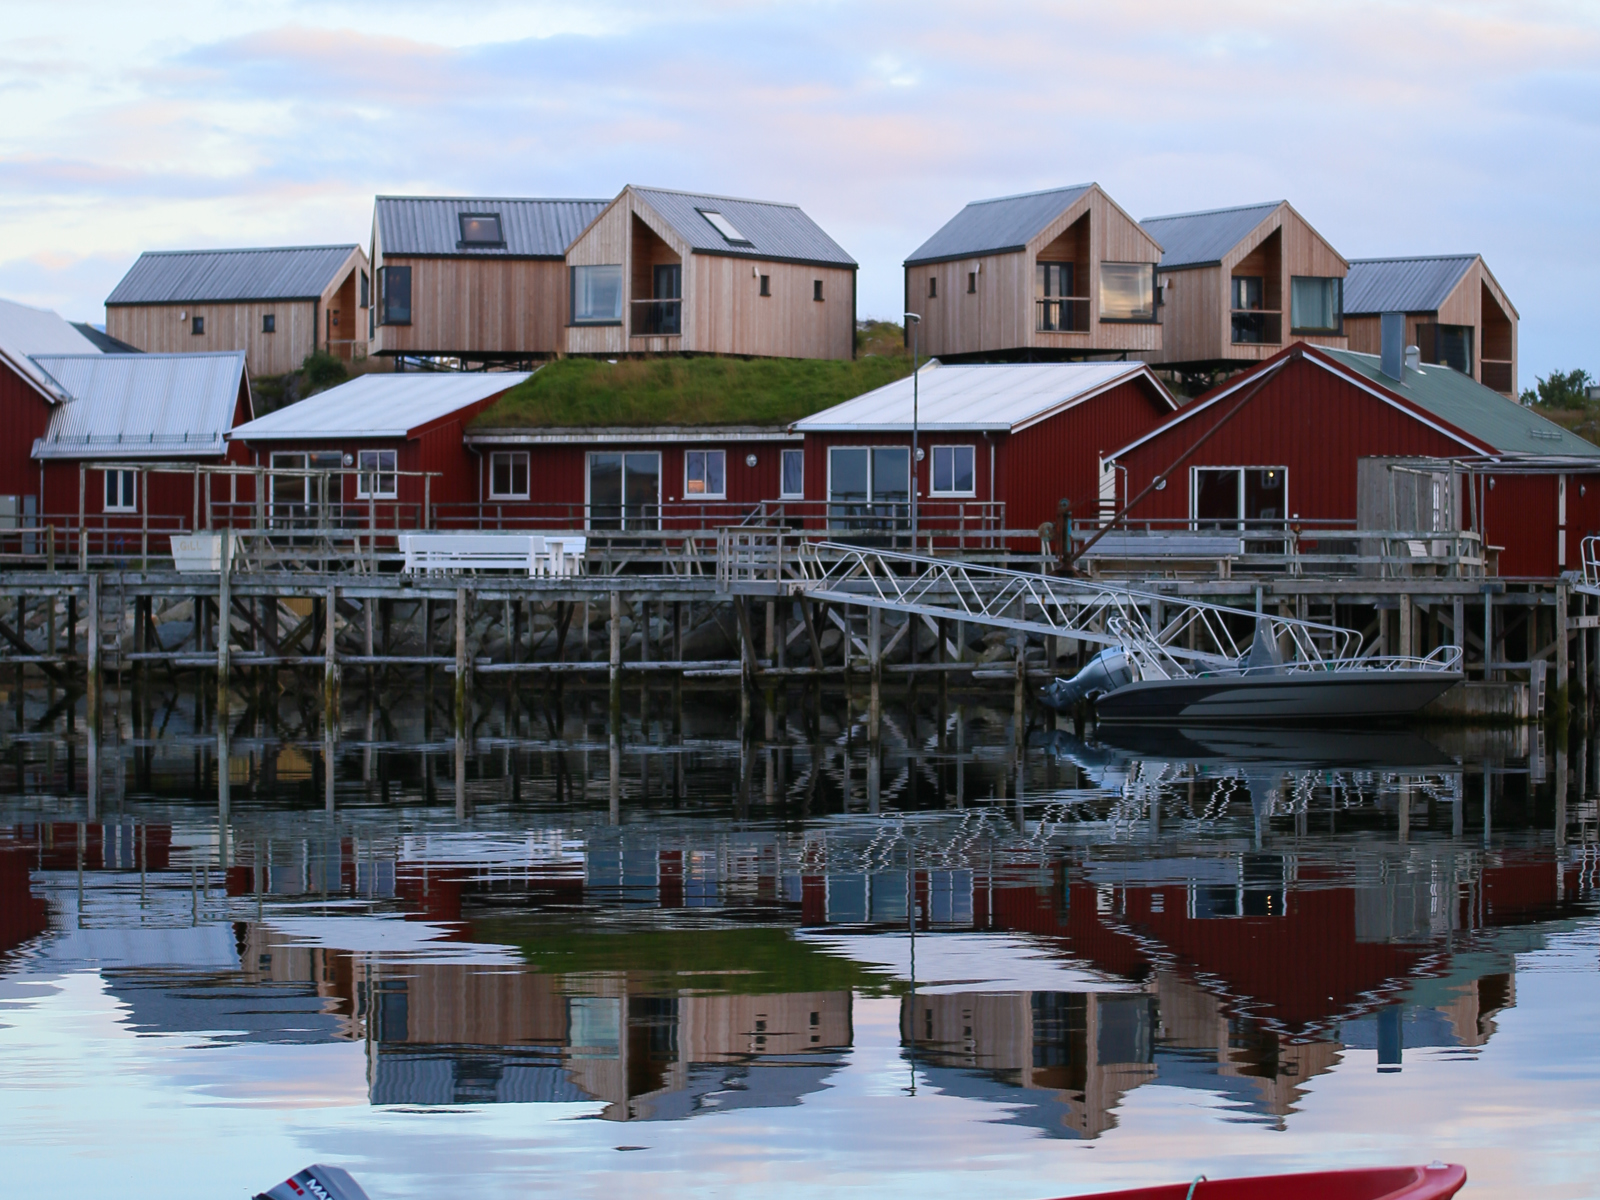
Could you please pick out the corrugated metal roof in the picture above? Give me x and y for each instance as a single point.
(1380, 285)
(103, 341)
(1201, 238)
(772, 230)
(201, 276)
(532, 228)
(26, 331)
(142, 405)
(1509, 427)
(378, 406)
(995, 397)
(992, 226)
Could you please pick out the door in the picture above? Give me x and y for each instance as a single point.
(625, 490)
(869, 487)
(302, 501)
(667, 287)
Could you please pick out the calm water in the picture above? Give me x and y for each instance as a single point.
(788, 964)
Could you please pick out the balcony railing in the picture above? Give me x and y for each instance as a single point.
(657, 318)
(1496, 375)
(1063, 314)
(1254, 326)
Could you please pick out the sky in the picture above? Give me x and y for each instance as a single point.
(1395, 128)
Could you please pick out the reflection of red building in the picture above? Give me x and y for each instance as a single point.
(22, 914)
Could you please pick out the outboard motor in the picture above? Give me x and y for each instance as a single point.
(316, 1182)
(1105, 672)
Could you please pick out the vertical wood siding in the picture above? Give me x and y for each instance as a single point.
(479, 306)
(156, 329)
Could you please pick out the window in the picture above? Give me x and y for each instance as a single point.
(269, 323)
(508, 475)
(394, 295)
(869, 487)
(1316, 305)
(766, 285)
(366, 291)
(1249, 292)
(933, 287)
(953, 471)
(1446, 345)
(625, 491)
(1127, 291)
(972, 283)
(597, 295)
(122, 493)
(1239, 497)
(197, 324)
(704, 474)
(816, 289)
(480, 231)
(724, 226)
(295, 497)
(793, 483)
(376, 480)
(1059, 311)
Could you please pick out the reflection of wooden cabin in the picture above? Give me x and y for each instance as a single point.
(662, 271)
(477, 278)
(1239, 284)
(1057, 274)
(277, 304)
(1456, 313)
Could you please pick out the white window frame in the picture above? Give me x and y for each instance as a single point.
(1194, 490)
(783, 456)
(706, 495)
(933, 471)
(120, 474)
(389, 473)
(512, 455)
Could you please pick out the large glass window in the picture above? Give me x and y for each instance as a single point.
(295, 498)
(794, 474)
(625, 491)
(1240, 497)
(377, 479)
(508, 475)
(122, 493)
(1127, 291)
(1053, 289)
(1316, 304)
(394, 294)
(704, 474)
(953, 471)
(597, 295)
(1446, 345)
(869, 487)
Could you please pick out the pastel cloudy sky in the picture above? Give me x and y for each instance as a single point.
(1394, 127)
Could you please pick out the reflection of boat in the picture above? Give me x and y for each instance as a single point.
(317, 1180)
(1437, 1181)
(1356, 749)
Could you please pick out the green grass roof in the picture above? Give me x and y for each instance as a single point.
(687, 391)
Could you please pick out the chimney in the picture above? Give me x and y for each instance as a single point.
(1391, 360)
(1413, 358)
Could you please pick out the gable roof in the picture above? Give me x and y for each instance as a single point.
(142, 405)
(431, 225)
(221, 276)
(1422, 284)
(26, 331)
(1202, 239)
(103, 341)
(986, 397)
(773, 231)
(379, 406)
(1000, 225)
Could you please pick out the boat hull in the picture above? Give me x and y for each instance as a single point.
(1351, 696)
(1437, 1181)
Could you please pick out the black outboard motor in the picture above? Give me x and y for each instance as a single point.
(1105, 672)
(317, 1182)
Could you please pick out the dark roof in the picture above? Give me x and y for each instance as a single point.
(1380, 285)
(103, 340)
(431, 225)
(772, 231)
(996, 226)
(197, 276)
(1201, 239)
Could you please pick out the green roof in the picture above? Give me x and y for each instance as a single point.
(1496, 420)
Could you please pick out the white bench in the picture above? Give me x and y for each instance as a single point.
(563, 554)
(1166, 545)
(535, 553)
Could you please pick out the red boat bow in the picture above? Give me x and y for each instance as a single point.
(1437, 1181)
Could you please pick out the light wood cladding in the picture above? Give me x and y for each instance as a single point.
(480, 306)
(1000, 316)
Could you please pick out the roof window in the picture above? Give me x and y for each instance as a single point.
(725, 227)
(481, 231)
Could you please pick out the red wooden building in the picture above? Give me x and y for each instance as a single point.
(1283, 443)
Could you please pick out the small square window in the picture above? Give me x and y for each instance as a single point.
(704, 474)
(793, 484)
(269, 323)
(122, 491)
(197, 325)
(953, 473)
(377, 479)
(766, 285)
(480, 231)
(508, 475)
(933, 287)
(816, 289)
(972, 282)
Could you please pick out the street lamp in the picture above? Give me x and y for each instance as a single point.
(913, 320)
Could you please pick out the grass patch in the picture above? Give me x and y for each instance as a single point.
(688, 391)
(1585, 422)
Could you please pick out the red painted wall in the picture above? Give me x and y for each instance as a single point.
(24, 416)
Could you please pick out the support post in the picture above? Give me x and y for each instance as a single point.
(1488, 635)
(1563, 664)
(1458, 627)
(330, 671)
(92, 647)
(875, 667)
(463, 694)
(224, 629)
(615, 657)
(1407, 620)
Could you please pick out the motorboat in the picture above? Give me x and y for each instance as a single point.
(1436, 1181)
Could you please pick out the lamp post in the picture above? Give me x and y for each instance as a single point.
(913, 320)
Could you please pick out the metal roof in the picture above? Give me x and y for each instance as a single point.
(1510, 427)
(103, 341)
(992, 397)
(1200, 239)
(378, 406)
(26, 331)
(141, 405)
(993, 226)
(214, 276)
(532, 228)
(779, 232)
(1380, 285)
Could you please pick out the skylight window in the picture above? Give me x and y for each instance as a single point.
(725, 227)
(480, 231)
